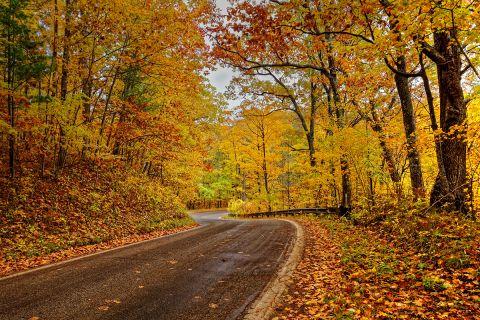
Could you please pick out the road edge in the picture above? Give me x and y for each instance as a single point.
(264, 306)
(61, 262)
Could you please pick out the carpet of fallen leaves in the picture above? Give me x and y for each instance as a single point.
(88, 208)
(379, 272)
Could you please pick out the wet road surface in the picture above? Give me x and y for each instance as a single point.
(211, 272)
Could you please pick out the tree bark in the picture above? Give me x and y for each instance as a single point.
(346, 201)
(11, 136)
(311, 131)
(264, 167)
(441, 180)
(55, 49)
(453, 112)
(10, 103)
(403, 89)
(87, 83)
(66, 51)
(62, 150)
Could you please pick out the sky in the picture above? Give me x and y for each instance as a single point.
(220, 78)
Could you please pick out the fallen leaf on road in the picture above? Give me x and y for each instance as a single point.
(113, 301)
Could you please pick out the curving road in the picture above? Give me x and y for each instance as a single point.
(211, 272)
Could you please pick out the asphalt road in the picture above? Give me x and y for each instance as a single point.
(212, 272)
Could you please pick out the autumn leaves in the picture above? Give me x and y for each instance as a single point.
(335, 65)
(105, 100)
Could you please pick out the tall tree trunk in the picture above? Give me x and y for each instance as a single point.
(311, 131)
(10, 102)
(243, 191)
(264, 166)
(329, 133)
(346, 200)
(105, 109)
(87, 83)
(403, 89)
(441, 180)
(87, 87)
(11, 136)
(55, 49)
(453, 112)
(66, 51)
(62, 150)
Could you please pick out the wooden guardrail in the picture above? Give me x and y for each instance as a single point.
(207, 204)
(293, 212)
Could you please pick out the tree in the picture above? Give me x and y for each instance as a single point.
(260, 37)
(22, 62)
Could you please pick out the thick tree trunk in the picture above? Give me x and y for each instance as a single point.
(403, 89)
(404, 94)
(453, 112)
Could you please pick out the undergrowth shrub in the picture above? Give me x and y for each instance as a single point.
(239, 207)
(83, 206)
(408, 265)
(443, 239)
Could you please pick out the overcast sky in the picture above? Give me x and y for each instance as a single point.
(221, 77)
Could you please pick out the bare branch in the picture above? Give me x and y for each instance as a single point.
(403, 74)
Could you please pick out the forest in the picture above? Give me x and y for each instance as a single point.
(353, 104)
(110, 128)
(105, 120)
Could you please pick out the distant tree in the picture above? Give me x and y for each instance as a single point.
(21, 61)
